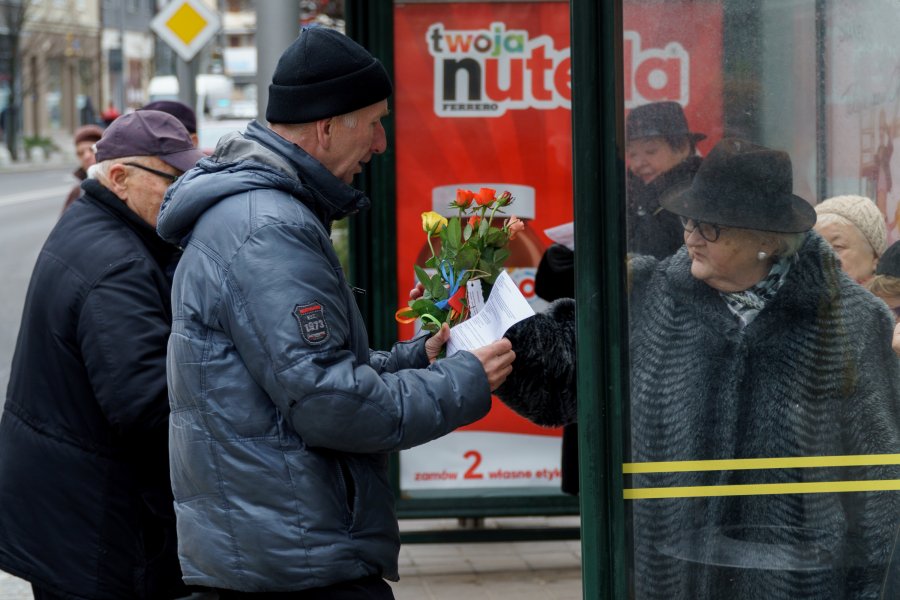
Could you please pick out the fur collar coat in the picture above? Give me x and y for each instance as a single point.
(812, 375)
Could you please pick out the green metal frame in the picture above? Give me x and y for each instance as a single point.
(598, 173)
(373, 268)
(373, 233)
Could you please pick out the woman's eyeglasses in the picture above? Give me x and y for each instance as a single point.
(708, 231)
(167, 176)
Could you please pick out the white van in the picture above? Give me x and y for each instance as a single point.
(213, 93)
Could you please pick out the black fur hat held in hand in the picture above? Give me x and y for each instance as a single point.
(324, 74)
(541, 386)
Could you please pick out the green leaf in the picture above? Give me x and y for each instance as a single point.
(467, 258)
(437, 288)
(500, 256)
(407, 313)
(467, 232)
(422, 275)
(496, 238)
(423, 306)
(483, 227)
(453, 233)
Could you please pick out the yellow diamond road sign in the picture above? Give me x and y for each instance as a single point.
(186, 26)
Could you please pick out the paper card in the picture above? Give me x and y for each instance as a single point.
(475, 296)
(563, 234)
(505, 307)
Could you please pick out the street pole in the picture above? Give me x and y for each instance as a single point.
(280, 22)
(120, 87)
(186, 70)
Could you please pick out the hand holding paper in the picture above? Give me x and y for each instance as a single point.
(505, 307)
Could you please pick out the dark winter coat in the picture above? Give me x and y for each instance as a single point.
(651, 230)
(812, 375)
(282, 418)
(80, 174)
(85, 502)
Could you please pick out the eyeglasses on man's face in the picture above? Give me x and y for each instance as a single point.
(167, 176)
(708, 231)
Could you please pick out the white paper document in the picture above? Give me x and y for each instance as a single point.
(505, 307)
(563, 234)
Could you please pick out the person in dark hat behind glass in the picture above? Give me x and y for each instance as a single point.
(751, 343)
(282, 417)
(85, 501)
(661, 156)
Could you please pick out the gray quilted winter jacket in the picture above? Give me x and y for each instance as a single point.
(282, 418)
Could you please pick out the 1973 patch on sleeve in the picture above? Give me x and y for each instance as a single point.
(311, 319)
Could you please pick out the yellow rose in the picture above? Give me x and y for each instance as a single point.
(432, 221)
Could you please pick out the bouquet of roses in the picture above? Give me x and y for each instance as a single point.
(468, 247)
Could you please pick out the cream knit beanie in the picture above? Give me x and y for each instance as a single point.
(859, 211)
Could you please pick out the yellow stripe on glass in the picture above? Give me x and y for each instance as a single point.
(740, 464)
(800, 462)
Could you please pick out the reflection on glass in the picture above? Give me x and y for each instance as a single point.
(755, 346)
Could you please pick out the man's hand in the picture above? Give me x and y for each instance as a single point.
(417, 292)
(895, 343)
(435, 343)
(497, 359)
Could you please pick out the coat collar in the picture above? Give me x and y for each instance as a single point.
(332, 198)
(814, 280)
(99, 195)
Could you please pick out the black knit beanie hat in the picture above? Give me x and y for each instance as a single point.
(324, 74)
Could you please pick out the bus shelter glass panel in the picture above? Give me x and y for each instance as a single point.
(763, 422)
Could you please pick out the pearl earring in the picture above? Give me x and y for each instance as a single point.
(761, 256)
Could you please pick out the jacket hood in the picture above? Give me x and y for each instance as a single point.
(255, 159)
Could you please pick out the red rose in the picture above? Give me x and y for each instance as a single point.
(464, 198)
(485, 196)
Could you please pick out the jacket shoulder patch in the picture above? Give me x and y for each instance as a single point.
(311, 320)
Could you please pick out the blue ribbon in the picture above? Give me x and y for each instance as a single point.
(448, 276)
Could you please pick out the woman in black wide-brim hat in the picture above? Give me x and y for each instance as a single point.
(749, 343)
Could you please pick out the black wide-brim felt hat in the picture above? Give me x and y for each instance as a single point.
(659, 119)
(741, 184)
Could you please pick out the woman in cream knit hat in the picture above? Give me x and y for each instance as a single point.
(855, 228)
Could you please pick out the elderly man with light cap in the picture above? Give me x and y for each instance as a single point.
(282, 417)
(85, 500)
(855, 228)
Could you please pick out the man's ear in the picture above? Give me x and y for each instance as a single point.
(118, 179)
(325, 132)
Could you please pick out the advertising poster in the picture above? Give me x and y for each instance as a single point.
(863, 104)
(483, 98)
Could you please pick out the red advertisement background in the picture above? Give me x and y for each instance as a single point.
(697, 27)
(529, 146)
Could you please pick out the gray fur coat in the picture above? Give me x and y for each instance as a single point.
(812, 375)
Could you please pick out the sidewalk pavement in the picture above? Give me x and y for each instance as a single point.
(39, 161)
(538, 570)
(544, 570)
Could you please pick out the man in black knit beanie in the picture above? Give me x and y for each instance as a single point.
(282, 418)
